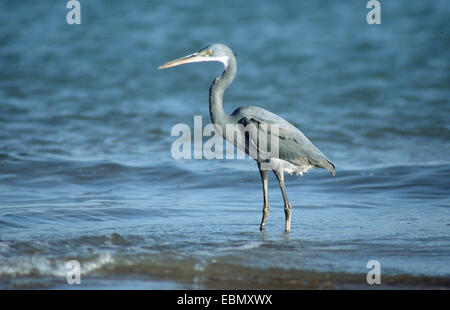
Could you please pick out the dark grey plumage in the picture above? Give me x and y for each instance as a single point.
(295, 152)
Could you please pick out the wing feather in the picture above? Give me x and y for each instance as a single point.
(294, 146)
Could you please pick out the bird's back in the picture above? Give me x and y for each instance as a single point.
(294, 146)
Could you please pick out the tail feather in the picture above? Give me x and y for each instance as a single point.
(328, 165)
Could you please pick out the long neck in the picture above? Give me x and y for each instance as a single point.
(216, 91)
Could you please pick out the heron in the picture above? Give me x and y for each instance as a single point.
(296, 153)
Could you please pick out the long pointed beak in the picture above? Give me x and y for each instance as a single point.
(183, 60)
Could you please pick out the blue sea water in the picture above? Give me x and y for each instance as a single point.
(86, 171)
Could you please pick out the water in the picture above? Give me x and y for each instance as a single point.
(86, 171)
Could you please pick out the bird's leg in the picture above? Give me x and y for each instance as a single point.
(287, 205)
(264, 179)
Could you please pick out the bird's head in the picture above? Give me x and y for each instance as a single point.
(214, 52)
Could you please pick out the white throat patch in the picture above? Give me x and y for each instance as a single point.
(222, 59)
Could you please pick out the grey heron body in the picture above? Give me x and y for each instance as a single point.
(295, 152)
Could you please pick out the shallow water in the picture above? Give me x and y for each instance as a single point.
(86, 171)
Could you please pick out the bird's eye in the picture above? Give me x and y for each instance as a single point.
(207, 52)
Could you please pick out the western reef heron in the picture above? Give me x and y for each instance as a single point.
(295, 153)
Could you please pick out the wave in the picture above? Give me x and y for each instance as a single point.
(41, 272)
